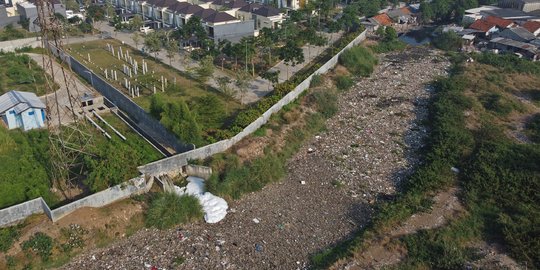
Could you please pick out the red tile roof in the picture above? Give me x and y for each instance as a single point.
(383, 19)
(482, 25)
(531, 26)
(405, 10)
(500, 22)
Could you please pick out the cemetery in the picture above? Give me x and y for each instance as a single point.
(139, 77)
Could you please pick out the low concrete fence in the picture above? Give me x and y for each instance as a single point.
(176, 162)
(21, 211)
(12, 45)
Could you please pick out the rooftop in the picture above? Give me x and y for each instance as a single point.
(266, 11)
(250, 7)
(500, 22)
(520, 32)
(20, 100)
(383, 19)
(205, 13)
(236, 4)
(219, 17)
(531, 26)
(482, 25)
(516, 44)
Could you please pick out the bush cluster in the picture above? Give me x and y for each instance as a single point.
(168, 209)
(359, 60)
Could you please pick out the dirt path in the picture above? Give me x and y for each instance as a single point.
(369, 146)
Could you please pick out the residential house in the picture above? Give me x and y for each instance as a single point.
(533, 27)
(5, 18)
(28, 11)
(523, 49)
(234, 5)
(223, 26)
(518, 34)
(267, 17)
(22, 110)
(401, 15)
(288, 4)
(500, 22)
(523, 5)
(245, 13)
(381, 19)
(486, 29)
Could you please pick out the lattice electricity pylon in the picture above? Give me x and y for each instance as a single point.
(68, 138)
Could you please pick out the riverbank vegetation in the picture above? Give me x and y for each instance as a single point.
(498, 173)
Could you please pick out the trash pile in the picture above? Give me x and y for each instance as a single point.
(214, 207)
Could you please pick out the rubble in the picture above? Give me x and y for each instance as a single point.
(370, 146)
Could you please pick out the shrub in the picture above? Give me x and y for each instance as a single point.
(448, 41)
(169, 209)
(7, 237)
(316, 80)
(344, 82)
(326, 102)
(533, 128)
(359, 61)
(389, 46)
(41, 244)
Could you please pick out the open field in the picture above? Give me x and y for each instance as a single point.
(21, 73)
(186, 88)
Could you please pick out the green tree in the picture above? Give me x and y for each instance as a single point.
(426, 12)
(205, 69)
(136, 37)
(272, 77)
(172, 48)
(96, 14)
(390, 34)
(223, 84)
(242, 83)
(210, 110)
(180, 120)
(291, 54)
(136, 22)
(152, 41)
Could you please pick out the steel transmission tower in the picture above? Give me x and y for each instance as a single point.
(68, 136)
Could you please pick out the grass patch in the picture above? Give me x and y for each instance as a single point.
(359, 60)
(168, 209)
(386, 46)
(19, 72)
(8, 236)
(186, 88)
(344, 82)
(532, 128)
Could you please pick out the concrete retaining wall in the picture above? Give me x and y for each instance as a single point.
(38, 206)
(175, 163)
(198, 171)
(12, 45)
(144, 121)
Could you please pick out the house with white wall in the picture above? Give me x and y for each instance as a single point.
(22, 110)
(267, 17)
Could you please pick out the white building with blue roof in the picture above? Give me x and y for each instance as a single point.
(22, 110)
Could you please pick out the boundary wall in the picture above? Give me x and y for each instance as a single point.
(176, 162)
(173, 164)
(21, 211)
